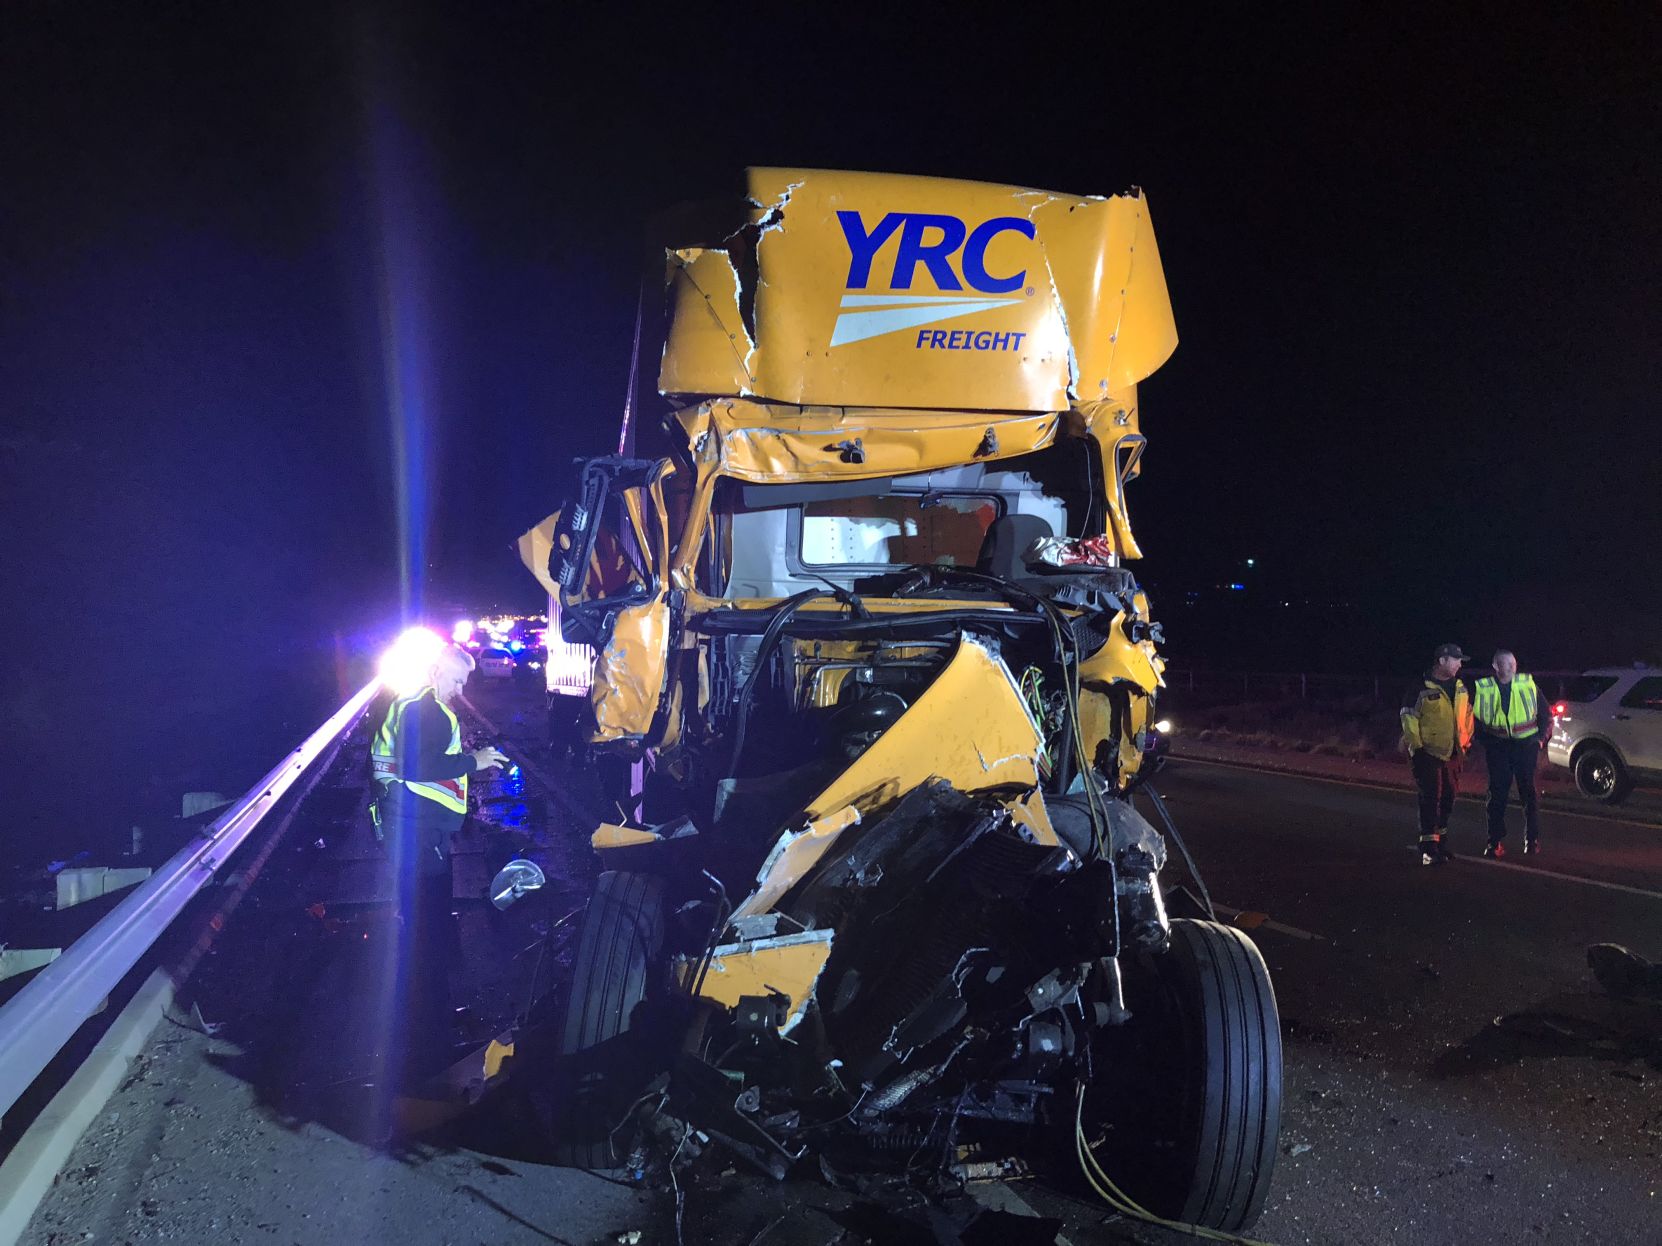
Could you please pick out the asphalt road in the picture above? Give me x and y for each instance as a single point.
(1451, 1073)
(1450, 1067)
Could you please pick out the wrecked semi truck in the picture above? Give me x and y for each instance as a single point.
(866, 638)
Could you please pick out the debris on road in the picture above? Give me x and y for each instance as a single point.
(1625, 973)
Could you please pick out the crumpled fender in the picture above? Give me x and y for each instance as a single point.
(630, 672)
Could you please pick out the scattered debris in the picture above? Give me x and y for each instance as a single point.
(1624, 973)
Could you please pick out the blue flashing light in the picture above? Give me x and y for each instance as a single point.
(516, 646)
(1238, 588)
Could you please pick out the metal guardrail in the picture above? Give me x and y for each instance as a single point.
(37, 1022)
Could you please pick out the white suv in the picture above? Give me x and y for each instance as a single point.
(1607, 729)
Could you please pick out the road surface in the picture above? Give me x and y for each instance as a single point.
(1451, 1073)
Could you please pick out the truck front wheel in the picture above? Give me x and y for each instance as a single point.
(620, 965)
(1185, 1113)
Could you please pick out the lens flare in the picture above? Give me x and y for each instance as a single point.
(406, 665)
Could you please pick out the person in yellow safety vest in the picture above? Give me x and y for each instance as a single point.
(1436, 732)
(421, 776)
(420, 769)
(1514, 721)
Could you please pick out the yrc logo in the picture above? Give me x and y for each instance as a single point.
(929, 241)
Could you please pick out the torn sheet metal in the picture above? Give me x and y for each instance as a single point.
(779, 445)
(446, 1095)
(630, 672)
(1029, 813)
(969, 727)
(612, 835)
(534, 546)
(788, 965)
(857, 289)
(1120, 657)
(711, 342)
(793, 856)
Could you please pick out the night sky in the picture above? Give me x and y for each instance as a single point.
(1414, 263)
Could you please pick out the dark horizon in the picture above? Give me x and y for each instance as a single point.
(1413, 264)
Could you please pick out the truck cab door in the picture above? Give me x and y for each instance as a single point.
(609, 559)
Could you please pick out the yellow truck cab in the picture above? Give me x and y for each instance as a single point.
(866, 629)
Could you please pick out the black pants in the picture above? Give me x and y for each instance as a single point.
(1438, 782)
(418, 844)
(1513, 761)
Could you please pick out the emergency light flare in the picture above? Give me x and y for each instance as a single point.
(405, 665)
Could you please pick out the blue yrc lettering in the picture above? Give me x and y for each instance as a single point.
(983, 340)
(863, 247)
(955, 340)
(975, 254)
(937, 339)
(933, 256)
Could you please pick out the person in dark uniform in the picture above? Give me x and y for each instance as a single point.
(1436, 732)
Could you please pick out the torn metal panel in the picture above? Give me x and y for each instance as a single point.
(969, 727)
(788, 965)
(760, 443)
(1123, 658)
(793, 856)
(534, 547)
(630, 672)
(1028, 812)
(710, 342)
(901, 291)
(1111, 287)
(446, 1095)
(612, 835)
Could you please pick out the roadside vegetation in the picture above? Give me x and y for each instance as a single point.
(1356, 729)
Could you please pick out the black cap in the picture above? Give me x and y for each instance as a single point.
(1449, 651)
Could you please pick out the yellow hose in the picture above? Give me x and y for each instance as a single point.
(1122, 1202)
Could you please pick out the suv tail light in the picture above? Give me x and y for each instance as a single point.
(1559, 709)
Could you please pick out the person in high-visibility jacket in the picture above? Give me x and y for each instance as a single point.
(420, 769)
(421, 776)
(1514, 721)
(1436, 732)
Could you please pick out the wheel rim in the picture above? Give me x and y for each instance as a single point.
(1601, 775)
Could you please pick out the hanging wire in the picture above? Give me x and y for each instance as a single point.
(1122, 1202)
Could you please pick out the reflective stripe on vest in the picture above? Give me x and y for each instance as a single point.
(384, 756)
(1518, 719)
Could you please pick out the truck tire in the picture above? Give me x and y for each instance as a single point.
(619, 965)
(1600, 775)
(1193, 1110)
